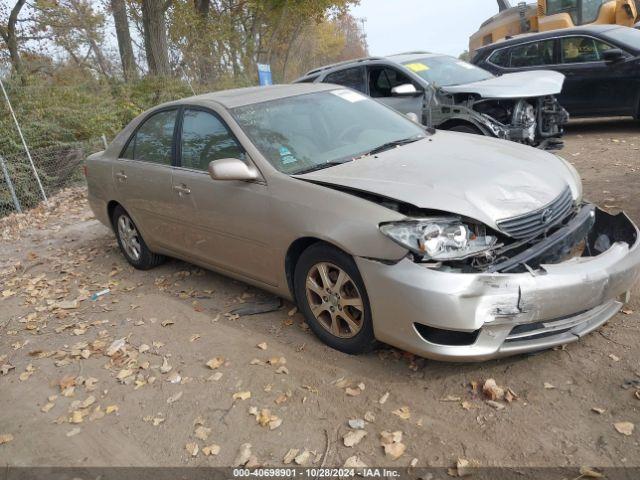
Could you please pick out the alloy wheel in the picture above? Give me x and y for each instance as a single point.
(334, 300)
(129, 237)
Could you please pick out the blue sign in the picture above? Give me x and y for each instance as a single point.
(264, 74)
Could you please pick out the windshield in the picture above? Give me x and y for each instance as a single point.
(443, 71)
(308, 132)
(625, 36)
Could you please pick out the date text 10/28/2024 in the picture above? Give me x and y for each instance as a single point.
(365, 472)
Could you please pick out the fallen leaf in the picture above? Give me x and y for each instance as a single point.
(290, 456)
(284, 370)
(354, 462)
(403, 413)
(462, 467)
(216, 376)
(244, 454)
(166, 323)
(625, 428)
(353, 437)
(369, 417)
(588, 472)
(241, 395)
(5, 438)
(598, 410)
(73, 431)
(262, 346)
(212, 449)
(215, 363)
(192, 448)
(303, 457)
(492, 391)
(4, 369)
(383, 398)
(548, 386)
(613, 357)
(112, 409)
(627, 311)
(165, 368)
(202, 433)
(390, 437)
(394, 450)
(48, 406)
(352, 392)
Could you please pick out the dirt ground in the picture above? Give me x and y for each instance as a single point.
(68, 399)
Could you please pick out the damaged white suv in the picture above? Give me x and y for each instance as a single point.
(449, 94)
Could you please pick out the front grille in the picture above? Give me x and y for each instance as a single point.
(534, 223)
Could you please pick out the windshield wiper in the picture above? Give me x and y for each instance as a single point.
(320, 166)
(393, 144)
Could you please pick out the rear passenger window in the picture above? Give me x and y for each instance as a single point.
(204, 139)
(350, 77)
(153, 140)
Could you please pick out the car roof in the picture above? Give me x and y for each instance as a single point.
(239, 97)
(527, 37)
(398, 58)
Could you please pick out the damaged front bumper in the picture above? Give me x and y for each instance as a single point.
(479, 316)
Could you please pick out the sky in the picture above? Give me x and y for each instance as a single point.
(440, 26)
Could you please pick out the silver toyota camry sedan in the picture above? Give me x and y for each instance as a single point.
(448, 245)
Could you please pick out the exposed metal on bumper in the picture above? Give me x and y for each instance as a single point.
(568, 301)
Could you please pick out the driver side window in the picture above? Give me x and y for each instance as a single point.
(383, 79)
(206, 138)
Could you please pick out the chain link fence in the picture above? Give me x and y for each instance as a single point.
(58, 167)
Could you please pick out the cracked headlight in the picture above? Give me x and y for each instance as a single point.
(440, 239)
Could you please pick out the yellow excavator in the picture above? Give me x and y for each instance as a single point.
(552, 15)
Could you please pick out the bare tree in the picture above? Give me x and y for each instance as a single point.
(10, 37)
(155, 36)
(119, 10)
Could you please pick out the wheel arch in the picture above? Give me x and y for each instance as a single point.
(111, 207)
(456, 122)
(295, 250)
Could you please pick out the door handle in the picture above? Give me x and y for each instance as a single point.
(121, 176)
(182, 189)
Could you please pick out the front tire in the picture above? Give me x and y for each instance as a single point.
(131, 243)
(331, 294)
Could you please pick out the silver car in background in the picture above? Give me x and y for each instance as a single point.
(450, 94)
(448, 245)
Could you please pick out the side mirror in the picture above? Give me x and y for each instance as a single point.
(404, 90)
(232, 169)
(613, 55)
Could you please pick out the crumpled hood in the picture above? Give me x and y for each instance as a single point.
(469, 175)
(536, 83)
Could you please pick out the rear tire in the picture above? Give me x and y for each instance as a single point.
(466, 129)
(331, 294)
(131, 243)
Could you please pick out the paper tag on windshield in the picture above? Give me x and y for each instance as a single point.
(417, 67)
(348, 95)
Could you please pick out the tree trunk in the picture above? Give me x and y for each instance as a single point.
(10, 37)
(121, 21)
(202, 7)
(155, 37)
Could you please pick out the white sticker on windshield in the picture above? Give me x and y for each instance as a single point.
(348, 95)
(465, 65)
